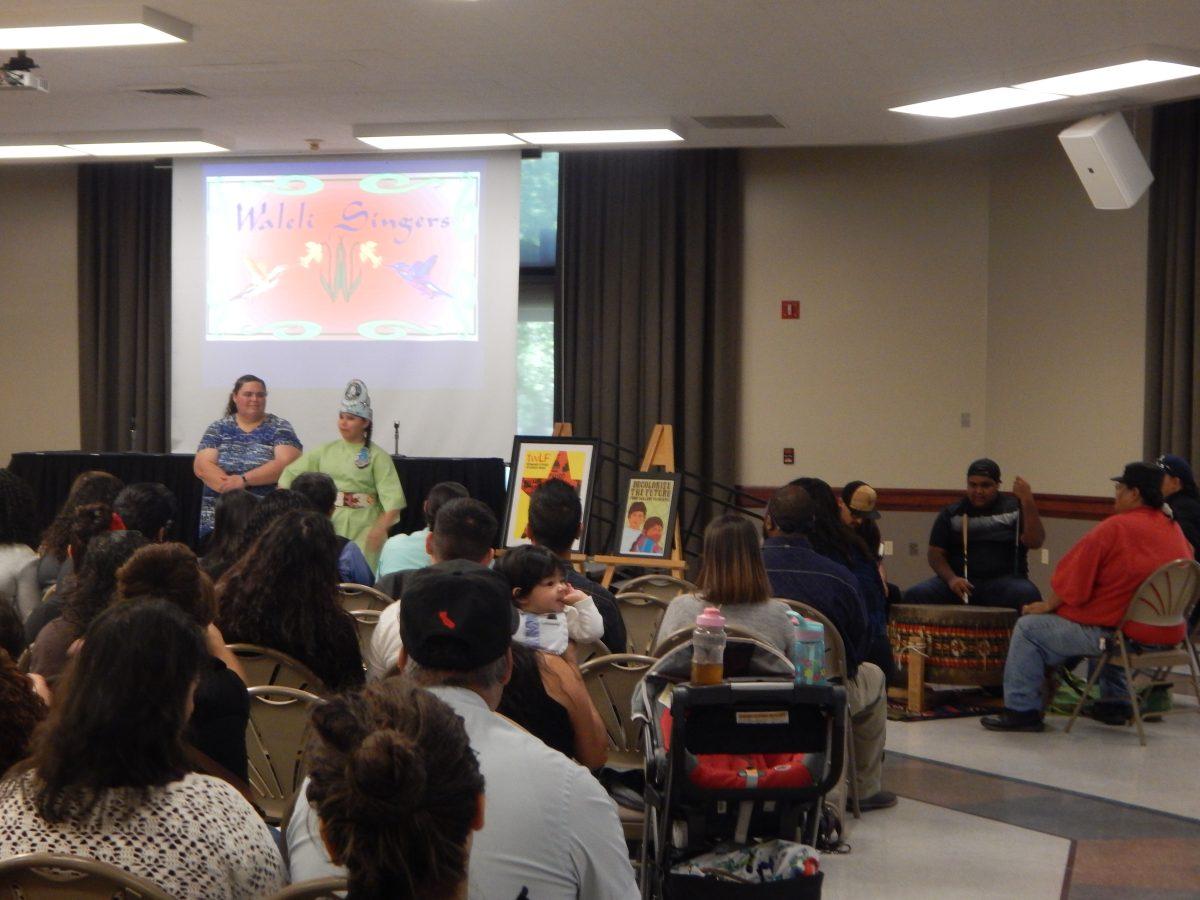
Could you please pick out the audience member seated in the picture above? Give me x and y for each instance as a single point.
(92, 589)
(21, 708)
(732, 577)
(552, 612)
(859, 512)
(402, 552)
(18, 562)
(463, 529)
(1181, 494)
(87, 522)
(551, 831)
(798, 572)
(837, 541)
(217, 727)
(397, 791)
(87, 488)
(232, 513)
(321, 492)
(270, 508)
(107, 777)
(147, 507)
(1001, 529)
(555, 517)
(12, 640)
(283, 594)
(1090, 593)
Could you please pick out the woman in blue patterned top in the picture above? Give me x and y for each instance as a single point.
(248, 448)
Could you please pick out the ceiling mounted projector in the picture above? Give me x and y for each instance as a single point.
(17, 75)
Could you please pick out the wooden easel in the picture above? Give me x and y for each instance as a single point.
(660, 451)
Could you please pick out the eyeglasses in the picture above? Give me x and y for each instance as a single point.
(253, 395)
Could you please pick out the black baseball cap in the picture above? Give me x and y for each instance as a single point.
(988, 468)
(457, 615)
(1140, 475)
(1178, 467)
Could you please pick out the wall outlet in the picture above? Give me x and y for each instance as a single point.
(1045, 553)
(965, 418)
(913, 548)
(886, 547)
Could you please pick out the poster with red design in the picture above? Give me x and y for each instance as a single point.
(365, 254)
(536, 460)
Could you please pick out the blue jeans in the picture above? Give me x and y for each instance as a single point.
(1010, 591)
(1049, 640)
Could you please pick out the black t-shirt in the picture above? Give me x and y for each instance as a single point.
(1186, 511)
(994, 545)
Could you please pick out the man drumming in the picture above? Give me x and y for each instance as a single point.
(978, 545)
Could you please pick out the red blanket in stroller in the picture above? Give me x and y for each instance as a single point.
(717, 771)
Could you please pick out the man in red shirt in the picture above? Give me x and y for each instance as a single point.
(1091, 590)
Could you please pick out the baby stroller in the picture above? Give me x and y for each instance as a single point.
(759, 709)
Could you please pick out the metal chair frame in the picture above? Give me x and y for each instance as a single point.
(60, 876)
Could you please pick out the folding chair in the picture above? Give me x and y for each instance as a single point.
(275, 738)
(610, 682)
(590, 650)
(1165, 599)
(665, 644)
(59, 876)
(835, 670)
(664, 587)
(642, 614)
(264, 666)
(365, 621)
(360, 596)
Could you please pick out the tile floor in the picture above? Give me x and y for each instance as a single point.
(1090, 815)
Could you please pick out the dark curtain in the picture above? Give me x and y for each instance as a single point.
(124, 306)
(1172, 420)
(650, 246)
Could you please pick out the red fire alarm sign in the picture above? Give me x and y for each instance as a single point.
(791, 309)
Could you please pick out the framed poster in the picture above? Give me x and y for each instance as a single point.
(649, 506)
(538, 459)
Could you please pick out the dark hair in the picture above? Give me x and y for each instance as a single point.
(830, 536)
(231, 517)
(20, 711)
(464, 529)
(283, 593)
(231, 407)
(555, 512)
(441, 494)
(12, 632)
(635, 506)
(270, 508)
(367, 434)
(650, 523)
(868, 532)
(87, 488)
(732, 569)
(526, 566)
(88, 521)
(169, 572)
(94, 586)
(790, 509)
(119, 715)
(318, 488)
(147, 507)
(1151, 495)
(396, 787)
(16, 510)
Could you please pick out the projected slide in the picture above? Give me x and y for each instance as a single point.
(342, 252)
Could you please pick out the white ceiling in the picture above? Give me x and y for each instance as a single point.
(277, 72)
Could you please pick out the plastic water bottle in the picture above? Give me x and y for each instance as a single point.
(708, 647)
(810, 652)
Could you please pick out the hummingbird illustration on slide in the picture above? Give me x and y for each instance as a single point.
(261, 280)
(417, 274)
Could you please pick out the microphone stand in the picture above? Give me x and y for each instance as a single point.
(395, 439)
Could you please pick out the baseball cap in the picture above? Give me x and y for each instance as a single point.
(988, 468)
(1140, 475)
(457, 615)
(860, 499)
(1177, 466)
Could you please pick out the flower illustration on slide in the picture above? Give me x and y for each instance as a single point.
(261, 280)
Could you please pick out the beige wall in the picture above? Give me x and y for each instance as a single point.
(886, 250)
(970, 277)
(39, 333)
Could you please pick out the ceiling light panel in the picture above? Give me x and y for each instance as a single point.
(37, 151)
(147, 26)
(973, 104)
(1112, 78)
(148, 148)
(601, 136)
(440, 141)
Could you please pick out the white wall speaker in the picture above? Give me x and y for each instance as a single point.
(1107, 160)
